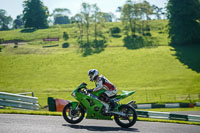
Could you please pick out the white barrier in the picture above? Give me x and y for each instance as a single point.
(144, 106)
(198, 104)
(169, 116)
(172, 105)
(18, 101)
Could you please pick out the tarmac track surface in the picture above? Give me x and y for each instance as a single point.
(16, 123)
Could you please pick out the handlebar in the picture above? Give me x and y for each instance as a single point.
(86, 90)
(90, 90)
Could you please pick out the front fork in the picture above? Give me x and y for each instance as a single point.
(75, 109)
(75, 105)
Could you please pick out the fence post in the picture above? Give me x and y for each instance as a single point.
(146, 96)
(32, 94)
(190, 98)
(160, 98)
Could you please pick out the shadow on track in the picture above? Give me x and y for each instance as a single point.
(101, 128)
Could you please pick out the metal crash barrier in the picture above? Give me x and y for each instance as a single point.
(18, 101)
(168, 116)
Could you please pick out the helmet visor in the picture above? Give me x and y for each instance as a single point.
(91, 77)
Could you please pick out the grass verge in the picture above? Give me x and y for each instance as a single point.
(10, 111)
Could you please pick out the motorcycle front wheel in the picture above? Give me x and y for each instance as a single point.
(128, 120)
(73, 116)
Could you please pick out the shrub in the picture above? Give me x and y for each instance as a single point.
(147, 34)
(133, 42)
(65, 45)
(1, 40)
(65, 36)
(28, 30)
(1, 47)
(136, 42)
(116, 35)
(115, 30)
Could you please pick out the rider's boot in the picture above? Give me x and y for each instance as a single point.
(112, 105)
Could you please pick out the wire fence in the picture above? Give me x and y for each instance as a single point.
(162, 96)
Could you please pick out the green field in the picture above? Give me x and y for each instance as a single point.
(155, 73)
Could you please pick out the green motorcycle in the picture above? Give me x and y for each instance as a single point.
(91, 107)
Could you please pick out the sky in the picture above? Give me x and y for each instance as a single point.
(14, 7)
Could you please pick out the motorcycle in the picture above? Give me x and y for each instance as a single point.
(91, 107)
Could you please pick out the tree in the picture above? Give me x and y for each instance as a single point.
(61, 20)
(61, 11)
(78, 19)
(86, 14)
(135, 18)
(95, 17)
(128, 17)
(35, 14)
(157, 11)
(65, 36)
(98, 20)
(5, 20)
(60, 16)
(145, 11)
(118, 10)
(108, 17)
(90, 22)
(184, 17)
(18, 22)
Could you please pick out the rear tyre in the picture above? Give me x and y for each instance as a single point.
(73, 116)
(130, 118)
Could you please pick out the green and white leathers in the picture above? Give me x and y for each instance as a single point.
(91, 107)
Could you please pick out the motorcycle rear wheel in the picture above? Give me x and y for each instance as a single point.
(73, 116)
(129, 120)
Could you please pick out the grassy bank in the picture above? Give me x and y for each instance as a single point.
(155, 73)
(158, 74)
(34, 37)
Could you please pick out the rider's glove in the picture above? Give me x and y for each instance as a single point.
(90, 90)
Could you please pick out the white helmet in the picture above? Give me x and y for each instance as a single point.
(92, 73)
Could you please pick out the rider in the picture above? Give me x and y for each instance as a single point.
(103, 83)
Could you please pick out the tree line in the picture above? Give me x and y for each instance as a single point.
(37, 15)
(184, 21)
(183, 16)
(91, 24)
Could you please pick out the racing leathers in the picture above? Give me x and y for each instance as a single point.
(103, 83)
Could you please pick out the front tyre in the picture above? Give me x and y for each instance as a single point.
(129, 119)
(73, 116)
